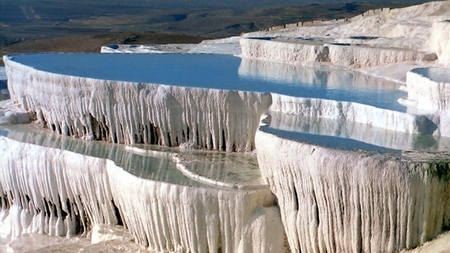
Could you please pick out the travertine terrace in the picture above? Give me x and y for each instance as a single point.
(335, 176)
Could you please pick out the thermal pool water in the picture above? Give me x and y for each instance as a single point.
(205, 102)
(223, 72)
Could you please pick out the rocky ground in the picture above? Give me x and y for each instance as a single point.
(39, 29)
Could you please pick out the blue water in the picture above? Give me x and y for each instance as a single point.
(2, 78)
(441, 75)
(330, 141)
(214, 165)
(142, 166)
(3, 85)
(344, 135)
(207, 71)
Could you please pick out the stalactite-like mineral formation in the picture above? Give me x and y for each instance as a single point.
(348, 201)
(126, 112)
(63, 193)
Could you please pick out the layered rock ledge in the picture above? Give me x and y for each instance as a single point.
(329, 199)
(346, 201)
(132, 112)
(68, 190)
(340, 54)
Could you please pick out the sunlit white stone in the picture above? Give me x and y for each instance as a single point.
(61, 193)
(344, 201)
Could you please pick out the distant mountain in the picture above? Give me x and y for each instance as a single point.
(39, 19)
(183, 4)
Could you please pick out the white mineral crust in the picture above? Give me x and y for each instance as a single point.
(376, 38)
(283, 51)
(345, 130)
(429, 88)
(338, 201)
(354, 112)
(57, 192)
(124, 112)
(217, 46)
(439, 40)
(346, 55)
(330, 200)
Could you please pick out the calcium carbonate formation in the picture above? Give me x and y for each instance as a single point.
(327, 199)
(124, 112)
(338, 201)
(440, 32)
(429, 88)
(353, 112)
(341, 54)
(61, 193)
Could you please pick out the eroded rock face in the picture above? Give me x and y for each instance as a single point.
(428, 88)
(330, 200)
(345, 201)
(439, 41)
(339, 54)
(124, 112)
(376, 38)
(354, 112)
(356, 56)
(268, 49)
(63, 193)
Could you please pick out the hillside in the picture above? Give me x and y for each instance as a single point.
(36, 27)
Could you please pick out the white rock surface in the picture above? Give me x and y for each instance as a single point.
(429, 88)
(57, 192)
(268, 49)
(354, 112)
(123, 112)
(346, 55)
(291, 125)
(338, 201)
(54, 244)
(104, 232)
(163, 217)
(333, 201)
(42, 197)
(439, 40)
(356, 56)
(407, 27)
(372, 39)
(11, 113)
(439, 245)
(217, 46)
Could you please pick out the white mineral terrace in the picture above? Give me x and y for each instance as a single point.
(218, 46)
(349, 135)
(137, 98)
(345, 201)
(429, 88)
(61, 186)
(348, 120)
